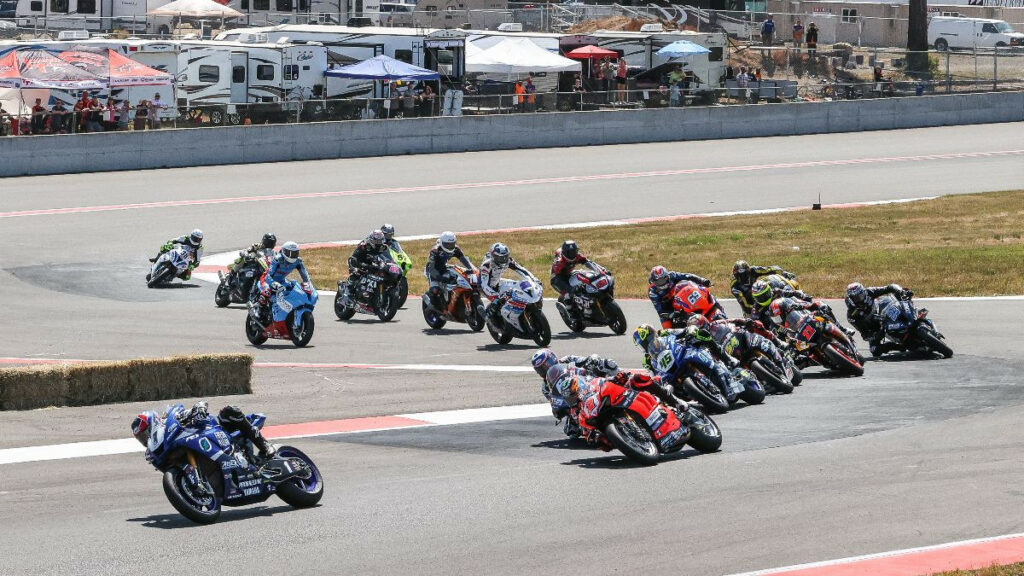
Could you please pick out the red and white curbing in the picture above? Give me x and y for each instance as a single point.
(289, 431)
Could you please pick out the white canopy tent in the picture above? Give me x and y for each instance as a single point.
(195, 9)
(518, 56)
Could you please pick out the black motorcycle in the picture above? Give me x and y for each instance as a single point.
(909, 327)
(594, 301)
(375, 292)
(236, 286)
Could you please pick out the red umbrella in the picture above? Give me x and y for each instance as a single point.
(591, 53)
(117, 69)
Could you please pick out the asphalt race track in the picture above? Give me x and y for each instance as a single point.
(917, 452)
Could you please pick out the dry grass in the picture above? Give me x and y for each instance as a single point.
(965, 245)
(1008, 570)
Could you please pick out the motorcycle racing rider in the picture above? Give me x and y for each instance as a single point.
(193, 244)
(661, 290)
(744, 275)
(365, 258)
(262, 249)
(286, 260)
(763, 295)
(148, 427)
(695, 340)
(566, 259)
(437, 272)
(860, 311)
(496, 262)
(389, 237)
(544, 359)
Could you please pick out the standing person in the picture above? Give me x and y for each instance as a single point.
(95, 116)
(58, 117)
(520, 93)
(81, 111)
(427, 98)
(38, 117)
(675, 82)
(531, 95)
(798, 33)
(812, 40)
(124, 111)
(155, 106)
(767, 31)
(621, 72)
(141, 114)
(608, 74)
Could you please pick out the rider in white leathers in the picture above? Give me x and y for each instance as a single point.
(496, 262)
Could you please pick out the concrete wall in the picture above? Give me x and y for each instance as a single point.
(33, 155)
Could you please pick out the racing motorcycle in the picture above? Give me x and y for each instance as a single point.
(172, 263)
(236, 286)
(594, 297)
(643, 428)
(289, 315)
(521, 316)
(405, 263)
(691, 299)
(819, 341)
(205, 468)
(464, 303)
(910, 327)
(376, 292)
(676, 362)
(758, 355)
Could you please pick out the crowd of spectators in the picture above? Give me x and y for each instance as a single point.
(86, 115)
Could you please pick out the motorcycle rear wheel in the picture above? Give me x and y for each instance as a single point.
(841, 361)
(933, 343)
(473, 318)
(301, 492)
(403, 291)
(432, 317)
(222, 297)
(305, 332)
(254, 332)
(708, 395)
(340, 310)
(753, 392)
(767, 374)
(622, 432)
(503, 336)
(616, 318)
(188, 507)
(705, 435)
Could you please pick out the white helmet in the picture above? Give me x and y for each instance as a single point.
(447, 241)
(196, 237)
(290, 251)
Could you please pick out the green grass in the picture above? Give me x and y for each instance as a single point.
(965, 245)
(1008, 570)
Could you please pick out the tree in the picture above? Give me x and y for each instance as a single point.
(917, 37)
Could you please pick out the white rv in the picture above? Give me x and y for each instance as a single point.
(945, 32)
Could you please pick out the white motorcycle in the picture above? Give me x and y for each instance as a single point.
(172, 263)
(521, 316)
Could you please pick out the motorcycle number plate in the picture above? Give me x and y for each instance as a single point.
(893, 313)
(665, 361)
(693, 297)
(736, 386)
(807, 332)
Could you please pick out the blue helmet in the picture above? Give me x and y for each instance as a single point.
(543, 360)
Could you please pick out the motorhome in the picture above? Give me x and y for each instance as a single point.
(946, 32)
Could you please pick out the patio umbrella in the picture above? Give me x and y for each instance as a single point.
(591, 53)
(119, 70)
(682, 48)
(40, 69)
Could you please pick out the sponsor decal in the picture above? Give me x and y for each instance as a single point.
(205, 445)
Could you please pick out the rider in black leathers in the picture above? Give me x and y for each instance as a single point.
(860, 311)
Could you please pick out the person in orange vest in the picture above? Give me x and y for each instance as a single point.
(520, 91)
(531, 95)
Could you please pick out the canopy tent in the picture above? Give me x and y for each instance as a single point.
(681, 48)
(118, 70)
(195, 9)
(383, 68)
(591, 52)
(518, 56)
(40, 69)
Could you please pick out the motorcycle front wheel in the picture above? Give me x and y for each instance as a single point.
(301, 492)
(842, 361)
(302, 335)
(632, 439)
(927, 337)
(254, 332)
(541, 328)
(705, 435)
(706, 393)
(766, 372)
(616, 318)
(164, 274)
(197, 508)
(387, 304)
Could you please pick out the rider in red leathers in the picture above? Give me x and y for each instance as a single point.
(566, 259)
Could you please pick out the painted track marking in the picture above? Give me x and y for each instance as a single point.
(505, 183)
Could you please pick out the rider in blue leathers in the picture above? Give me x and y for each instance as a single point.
(286, 261)
(690, 346)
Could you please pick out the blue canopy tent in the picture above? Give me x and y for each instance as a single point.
(681, 48)
(385, 69)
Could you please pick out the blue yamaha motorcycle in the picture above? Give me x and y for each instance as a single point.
(205, 468)
(909, 327)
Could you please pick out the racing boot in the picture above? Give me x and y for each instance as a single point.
(233, 419)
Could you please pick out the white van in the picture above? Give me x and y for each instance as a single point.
(946, 32)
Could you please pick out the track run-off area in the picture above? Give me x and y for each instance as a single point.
(437, 456)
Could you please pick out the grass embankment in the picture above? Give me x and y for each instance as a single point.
(1008, 570)
(967, 245)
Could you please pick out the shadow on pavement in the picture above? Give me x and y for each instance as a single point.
(510, 346)
(448, 331)
(583, 335)
(174, 521)
(563, 444)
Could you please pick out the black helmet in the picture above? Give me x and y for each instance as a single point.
(570, 250)
(269, 240)
(740, 268)
(389, 232)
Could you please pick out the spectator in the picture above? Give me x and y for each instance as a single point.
(110, 115)
(606, 72)
(743, 83)
(38, 117)
(519, 98)
(812, 40)
(94, 116)
(81, 111)
(767, 31)
(663, 97)
(621, 72)
(408, 103)
(798, 34)
(124, 112)
(757, 74)
(141, 115)
(155, 106)
(5, 123)
(59, 121)
(427, 99)
(577, 83)
(531, 95)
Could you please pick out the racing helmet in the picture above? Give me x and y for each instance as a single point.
(699, 322)
(644, 335)
(570, 250)
(499, 254)
(564, 382)
(143, 425)
(389, 231)
(740, 269)
(543, 360)
(290, 251)
(447, 242)
(376, 239)
(857, 295)
(659, 277)
(762, 293)
(196, 237)
(269, 240)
